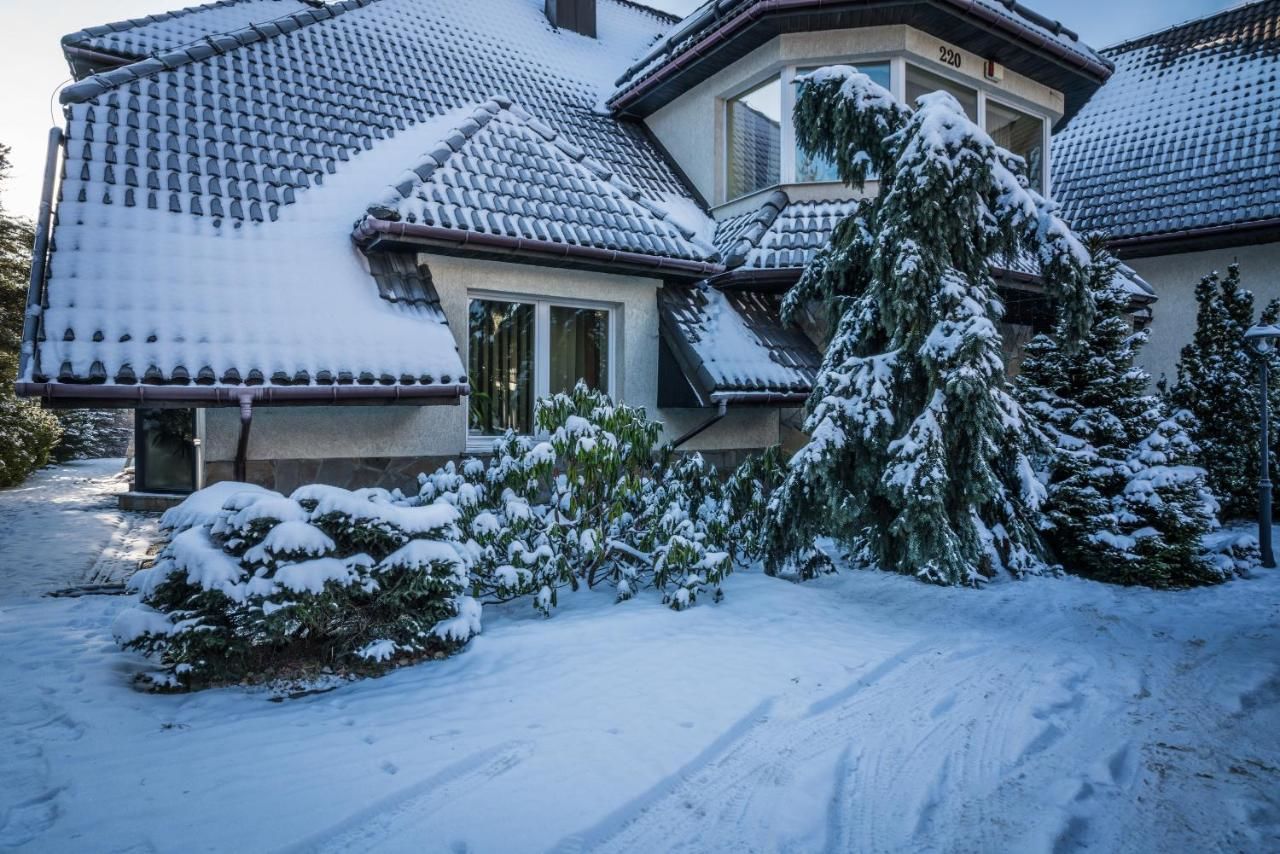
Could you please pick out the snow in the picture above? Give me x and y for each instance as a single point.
(201, 507)
(733, 353)
(861, 712)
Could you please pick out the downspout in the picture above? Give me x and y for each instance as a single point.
(721, 411)
(39, 258)
(242, 447)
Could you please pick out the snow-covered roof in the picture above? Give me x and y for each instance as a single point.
(721, 31)
(504, 171)
(732, 343)
(1183, 138)
(205, 217)
(140, 37)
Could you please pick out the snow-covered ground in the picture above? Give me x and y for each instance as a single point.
(862, 712)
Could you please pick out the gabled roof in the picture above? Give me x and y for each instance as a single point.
(247, 155)
(125, 41)
(502, 171)
(722, 31)
(1183, 140)
(731, 345)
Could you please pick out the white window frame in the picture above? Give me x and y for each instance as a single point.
(542, 306)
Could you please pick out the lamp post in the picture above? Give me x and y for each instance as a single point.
(1261, 341)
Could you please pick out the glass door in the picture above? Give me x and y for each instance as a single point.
(166, 451)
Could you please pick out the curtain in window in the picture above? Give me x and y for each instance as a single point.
(579, 348)
(500, 367)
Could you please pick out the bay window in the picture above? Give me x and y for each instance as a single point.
(523, 348)
(761, 150)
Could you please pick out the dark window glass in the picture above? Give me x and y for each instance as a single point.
(579, 348)
(165, 450)
(500, 366)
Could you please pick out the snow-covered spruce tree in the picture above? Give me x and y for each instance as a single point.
(596, 501)
(27, 433)
(1126, 503)
(1217, 383)
(93, 434)
(917, 460)
(272, 586)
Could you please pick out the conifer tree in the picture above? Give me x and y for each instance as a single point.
(1126, 503)
(27, 433)
(917, 460)
(1217, 383)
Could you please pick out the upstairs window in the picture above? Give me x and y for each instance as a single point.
(754, 134)
(921, 82)
(817, 169)
(1021, 133)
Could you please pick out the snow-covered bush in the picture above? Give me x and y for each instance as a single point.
(595, 501)
(254, 584)
(1126, 502)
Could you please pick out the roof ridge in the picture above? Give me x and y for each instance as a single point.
(79, 37)
(486, 111)
(1138, 41)
(211, 45)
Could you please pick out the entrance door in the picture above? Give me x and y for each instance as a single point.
(167, 450)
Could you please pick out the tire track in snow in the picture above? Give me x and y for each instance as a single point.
(637, 808)
(731, 806)
(365, 830)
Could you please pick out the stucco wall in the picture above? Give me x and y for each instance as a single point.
(1175, 277)
(312, 433)
(692, 126)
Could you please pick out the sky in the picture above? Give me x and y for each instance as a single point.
(32, 68)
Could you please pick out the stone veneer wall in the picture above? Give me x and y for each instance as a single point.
(350, 473)
(387, 472)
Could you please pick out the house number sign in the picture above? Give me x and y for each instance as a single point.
(949, 56)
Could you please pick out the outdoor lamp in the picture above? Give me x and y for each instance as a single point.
(1261, 341)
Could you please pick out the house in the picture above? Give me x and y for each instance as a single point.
(346, 241)
(1177, 158)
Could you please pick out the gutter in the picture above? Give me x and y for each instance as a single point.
(1245, 234)
(39, 257)
(372, 229)
(718, 37)
(130, 396)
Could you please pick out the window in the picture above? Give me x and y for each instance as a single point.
(818, 169)
(754, 135)
(166, 450)
(520, 350)
(921, 82)
(500, 367)
(1021, 133)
